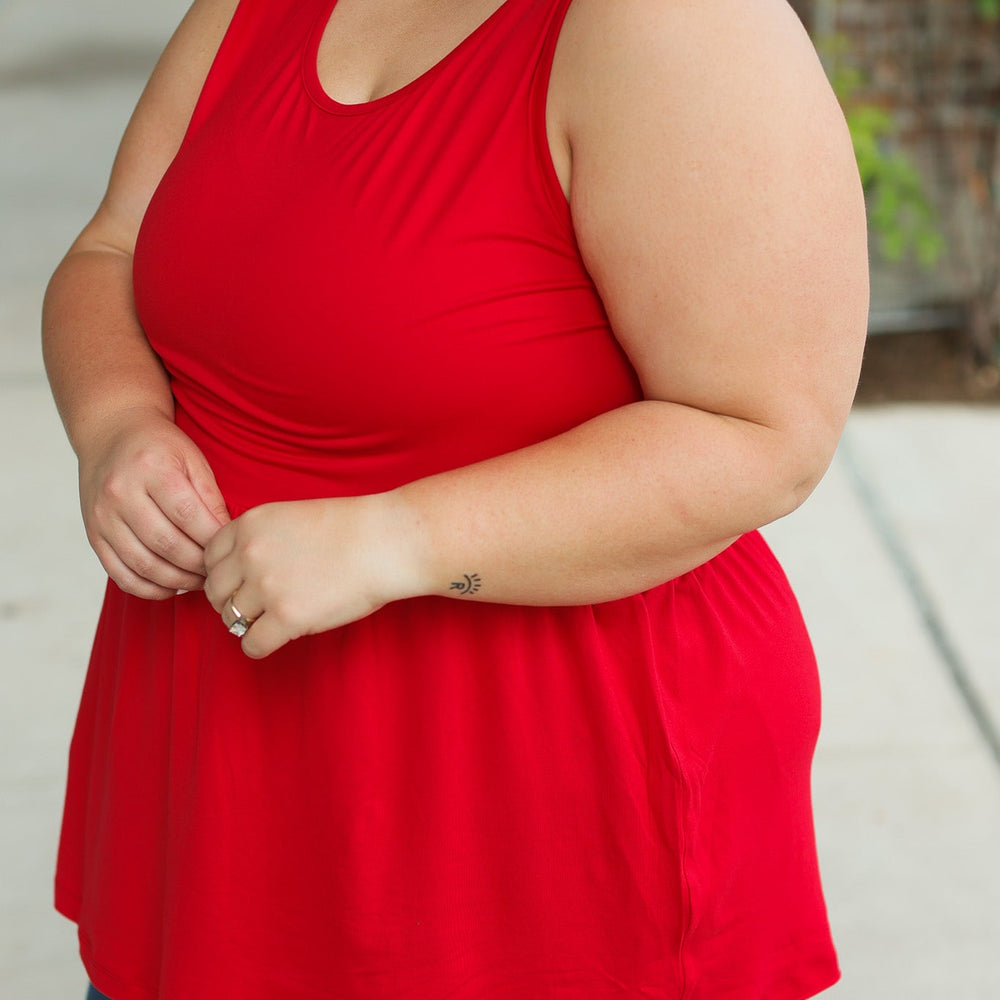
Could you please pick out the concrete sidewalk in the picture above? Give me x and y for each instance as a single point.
(895, 559)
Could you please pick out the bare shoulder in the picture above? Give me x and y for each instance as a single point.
(158, 123)
(611, 49)
(737, 76)
(716, 201)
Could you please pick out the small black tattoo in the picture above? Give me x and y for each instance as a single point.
(469, 584)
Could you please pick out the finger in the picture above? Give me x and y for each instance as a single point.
(241, 604)
(183, 506)
(160, 535)
(204, 482)
(220, 546)
(126, 580)
(266, 635)
(223, 580)
(146, 564)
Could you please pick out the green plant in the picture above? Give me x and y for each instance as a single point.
(990, 9)
(900, 211)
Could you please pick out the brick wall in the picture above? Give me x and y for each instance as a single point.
(936, 65)
(935, 62)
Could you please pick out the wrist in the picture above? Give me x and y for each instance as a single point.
(97, 430)
(405, 551)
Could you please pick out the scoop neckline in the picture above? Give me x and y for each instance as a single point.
(310, 64)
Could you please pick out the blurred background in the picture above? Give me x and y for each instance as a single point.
(919, 81)
(894, 557)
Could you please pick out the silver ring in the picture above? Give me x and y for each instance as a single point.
(242, 624)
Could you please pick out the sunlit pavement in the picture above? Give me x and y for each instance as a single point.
(895, 559)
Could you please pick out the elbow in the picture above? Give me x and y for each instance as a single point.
(802, 489)
(803, 462)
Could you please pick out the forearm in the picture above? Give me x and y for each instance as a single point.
(149, 500)
(622, 503)
(98, 359)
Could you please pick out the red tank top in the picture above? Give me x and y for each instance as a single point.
(361, 295)
(445, 799)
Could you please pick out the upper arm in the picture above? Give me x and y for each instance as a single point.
(157, 126)
(717, 205)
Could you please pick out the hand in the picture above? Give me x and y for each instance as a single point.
(150, 504)
(307, 566)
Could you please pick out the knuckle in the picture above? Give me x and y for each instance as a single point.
(148, 459)
(253, 551)
(114, 489)
(185, 508)
(143, 565)
(164, 544)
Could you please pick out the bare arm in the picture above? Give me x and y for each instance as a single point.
(717, 205)
(149, 499)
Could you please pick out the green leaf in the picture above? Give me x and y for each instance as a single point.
(989, 9)
(900, 213)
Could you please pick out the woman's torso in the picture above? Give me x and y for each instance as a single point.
(444, 798)
(349, 297)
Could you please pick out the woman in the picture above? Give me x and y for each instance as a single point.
(451, 352)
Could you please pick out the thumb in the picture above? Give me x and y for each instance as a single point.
(203, 480)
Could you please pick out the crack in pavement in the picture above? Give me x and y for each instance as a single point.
(927, 610)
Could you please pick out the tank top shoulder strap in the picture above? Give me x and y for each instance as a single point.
(548, 39)
(556, 11)
(254, 24)
(530, 30)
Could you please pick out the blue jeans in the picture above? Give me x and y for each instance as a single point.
(95, 994)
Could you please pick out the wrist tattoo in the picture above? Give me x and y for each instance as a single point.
(469, 584)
